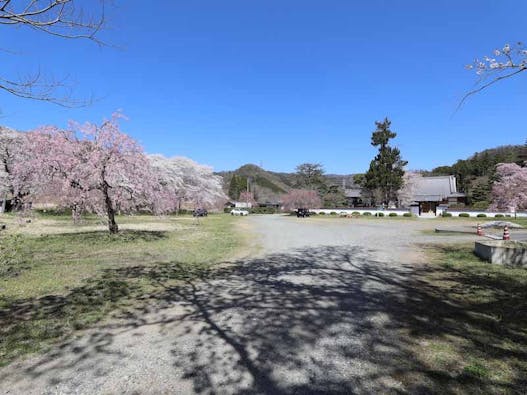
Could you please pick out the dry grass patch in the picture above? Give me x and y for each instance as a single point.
(63, 277)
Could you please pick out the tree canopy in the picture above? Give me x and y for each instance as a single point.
(385, 174)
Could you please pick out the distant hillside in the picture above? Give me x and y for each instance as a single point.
(474, 176)
(476, 173)
(266, 185)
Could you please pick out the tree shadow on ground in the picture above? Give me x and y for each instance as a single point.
(124, 235)
(316, 320)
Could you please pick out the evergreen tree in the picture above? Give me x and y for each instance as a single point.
(237, 185)
(481, 192)
(385, 175)
(311, 176)
(334, 197)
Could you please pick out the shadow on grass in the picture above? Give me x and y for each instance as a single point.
(316, 320)
(125, 235)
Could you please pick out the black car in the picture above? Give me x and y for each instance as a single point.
(302, 212)
(200, 212)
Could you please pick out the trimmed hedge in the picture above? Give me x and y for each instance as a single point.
(407, 215)
(499, 216)
(392, 215)
(481, 215)
(322, 213)
(465, 215)
(379, 214)
(355, 213)
(333, 213)
(366, 213)
(446, 214)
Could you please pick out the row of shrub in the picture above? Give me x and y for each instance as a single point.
(366, 214)
(480, 215)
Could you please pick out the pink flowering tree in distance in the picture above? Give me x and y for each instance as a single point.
(301, 198)
(11, 152)
(406, 194)
(96, 168)
(247, 197)
(509, 191)
(187, 183)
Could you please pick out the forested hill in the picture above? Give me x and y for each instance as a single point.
(266, 185)
(475, 174)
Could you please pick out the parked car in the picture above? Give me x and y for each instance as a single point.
(302, 212)
(237, 211)
(200, 212)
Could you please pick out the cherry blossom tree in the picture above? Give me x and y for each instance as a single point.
(509, 191)
(301, 198)
(10, 153)
(90, 167)
(247, 197)
(185, 182)
(406, 194)
(504, 63)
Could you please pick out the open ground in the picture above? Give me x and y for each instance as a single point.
(265, 304)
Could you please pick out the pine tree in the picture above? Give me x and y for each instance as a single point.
(385, 175)
(236, 186)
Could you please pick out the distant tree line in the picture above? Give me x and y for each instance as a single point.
(476, 175)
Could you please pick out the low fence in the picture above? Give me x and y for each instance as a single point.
(349, 211)
(400, 212)
(483, 214)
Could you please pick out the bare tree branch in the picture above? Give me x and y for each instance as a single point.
(60, 18)
(486, 85)
(505, 63)
(56, 17)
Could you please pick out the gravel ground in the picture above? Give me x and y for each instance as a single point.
(315, 311)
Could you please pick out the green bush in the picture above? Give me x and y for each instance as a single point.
(379, 214)
(333, 213)
(446, 215)
(407, 214)
(481, 215)
(465, 215)
(392, 215)
(227, 210)
(499, 216)
(355, 213)
(322, 213)
(366, 213)
(263, 210)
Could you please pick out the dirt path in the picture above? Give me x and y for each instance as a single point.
(318, 310)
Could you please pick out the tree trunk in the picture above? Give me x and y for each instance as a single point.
(112, 225)
(110, 211)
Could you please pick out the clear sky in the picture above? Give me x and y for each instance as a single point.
(281, 82)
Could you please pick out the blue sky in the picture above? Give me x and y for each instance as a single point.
(281, 82)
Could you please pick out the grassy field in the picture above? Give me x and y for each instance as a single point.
(56, 278)
(471, 327)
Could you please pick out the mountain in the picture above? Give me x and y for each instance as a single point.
(474, 176)
(267, 186)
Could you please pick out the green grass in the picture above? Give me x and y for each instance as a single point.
(72, 278)
(475, 336)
